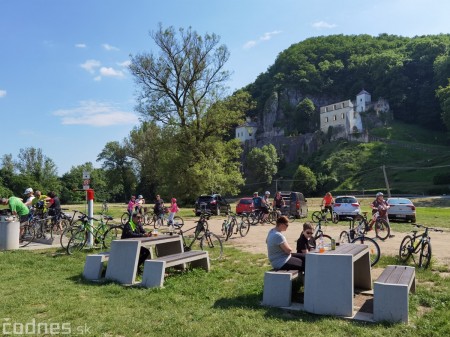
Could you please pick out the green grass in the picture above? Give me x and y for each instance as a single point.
(47, 287)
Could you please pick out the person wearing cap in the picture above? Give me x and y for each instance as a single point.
(139, 203)
(172, 210)
(19, 209)
(29, 197)
(381, 206)
(134, 229)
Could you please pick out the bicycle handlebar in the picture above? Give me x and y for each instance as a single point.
(429, 228)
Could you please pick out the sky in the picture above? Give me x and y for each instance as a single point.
(64, 83)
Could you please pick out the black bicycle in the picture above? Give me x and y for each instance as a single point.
(235, 223)
(201, 235)
(358, 235)
(323, 214)
(418, 243)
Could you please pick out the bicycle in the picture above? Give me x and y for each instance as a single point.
(319, 232)
(322, 215)
(235, 221)
(201, 234)
(163, 220)
(69, 230)
(382, 227)
(358, 235)
(103, 233)
(275, 213)
(418, 243)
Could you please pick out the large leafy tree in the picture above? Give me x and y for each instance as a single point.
(121, 179)
(304, 180)
(182, 90)
(443, 94)
(261, 164)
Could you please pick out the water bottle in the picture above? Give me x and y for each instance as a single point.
(321, 247)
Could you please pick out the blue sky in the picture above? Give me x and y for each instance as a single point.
(64, 83)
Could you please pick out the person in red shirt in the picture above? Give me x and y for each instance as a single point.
(327, 202)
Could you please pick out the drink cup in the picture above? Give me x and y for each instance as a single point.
(321, 249)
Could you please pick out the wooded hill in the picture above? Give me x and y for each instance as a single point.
(328, 69)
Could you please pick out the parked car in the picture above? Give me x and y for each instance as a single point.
(296, 204)
(214, 203)
(346, 205)
(401, 209)
(245, 205)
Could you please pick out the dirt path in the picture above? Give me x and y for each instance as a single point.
(255, 240)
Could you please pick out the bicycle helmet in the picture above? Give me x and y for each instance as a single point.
(28, 190)
(267, 193)
(255, 193)
(140, 196)
(379, 194)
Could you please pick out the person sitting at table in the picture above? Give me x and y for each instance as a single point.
(134, 229)
(279, 252)
(305, 242)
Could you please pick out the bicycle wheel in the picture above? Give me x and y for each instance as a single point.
(211, 243)
(334, 217)
(77, 241)
(374, 248)
(29, 232)
(231, 226)
(425, 255)
(58, 228)
(272, 217)
(112, 233)
(124, 218)
(178, 222)
(316, 216)
(244, 226)
(253, 218)
(406, 248)
(344, 237)
(382, 229)
(67, 234)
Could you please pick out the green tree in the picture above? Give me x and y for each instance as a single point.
(304, 180)
(443, 94)
(261, 164)
(121, 180)
(182, 89)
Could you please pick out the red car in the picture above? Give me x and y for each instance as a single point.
(245, 205)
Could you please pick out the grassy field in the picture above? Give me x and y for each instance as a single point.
(46, 287)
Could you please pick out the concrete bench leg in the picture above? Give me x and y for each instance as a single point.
(201, 263)
(390, 302)
(93, 267)
(153, 273)
(277, 289)
(123, 261)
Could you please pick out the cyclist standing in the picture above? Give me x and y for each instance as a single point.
(265, 205)
(327, 202)
(131, 205)
(278, 201)
(159, 206)
(381, 206)
(139, 202)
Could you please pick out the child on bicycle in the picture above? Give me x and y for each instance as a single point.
(172, 210)
(131, 205)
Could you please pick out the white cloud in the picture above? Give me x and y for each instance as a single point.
(124, 64)
(265, 37)
(80, 45)
(110, 72)
(95, 113)
(2, 93)
(108, 47)
(323, 25)
(90, 65)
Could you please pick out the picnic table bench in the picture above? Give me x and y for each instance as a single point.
(154, 270)
(278, 287)
(390, 294)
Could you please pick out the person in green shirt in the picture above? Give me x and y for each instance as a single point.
(19, 209)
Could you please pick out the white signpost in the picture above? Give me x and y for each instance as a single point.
(90, 204)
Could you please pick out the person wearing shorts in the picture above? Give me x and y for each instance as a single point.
(19, 209)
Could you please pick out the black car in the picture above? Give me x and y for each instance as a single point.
(213, 203)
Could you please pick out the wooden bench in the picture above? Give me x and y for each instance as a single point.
(278, 287)
(390, 294)
(93, 266)
(154, 270)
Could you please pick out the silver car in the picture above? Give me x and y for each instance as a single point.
(346, 205)
(401, 209)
